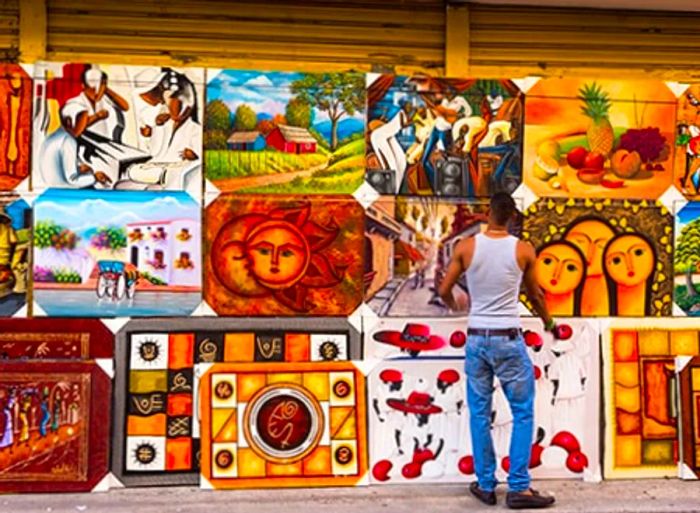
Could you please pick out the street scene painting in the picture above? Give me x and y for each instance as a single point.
(688, 372)
(53, 426)
(599, 138)
(116, 253)
(641, 418)
(283, 255)
(283, 425)
(117, 127)
(408, 245)
(15, 243)
(443, 137)
(15, 118)
(272, 132)
(602, 258)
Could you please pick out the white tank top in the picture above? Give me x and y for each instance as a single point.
(494, 278)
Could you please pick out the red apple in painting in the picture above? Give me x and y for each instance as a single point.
(381, 469)
(458, 339)
(536, 455)
(533, 339)
(505, 463)
(422, 455)
(411, 470)
(594, 161)
(577, 157)
(566, 441)
(466, 465)
(576, 462)
(563, 332)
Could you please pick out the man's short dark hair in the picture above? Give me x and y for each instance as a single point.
(502, 207)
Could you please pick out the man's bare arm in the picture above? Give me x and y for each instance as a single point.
(454, 271)
(532, 288)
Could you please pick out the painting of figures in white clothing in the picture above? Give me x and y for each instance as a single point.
(117, 127)
(419, 415)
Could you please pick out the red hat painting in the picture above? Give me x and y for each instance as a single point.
(449, 376)
(391, 376)
(413, 339)
(419, 403)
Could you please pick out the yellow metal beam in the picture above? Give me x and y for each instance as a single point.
(32, 30)
(457, 41)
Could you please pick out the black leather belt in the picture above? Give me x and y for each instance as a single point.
(511, 333)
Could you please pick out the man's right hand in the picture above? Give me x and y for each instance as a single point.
(102, 178)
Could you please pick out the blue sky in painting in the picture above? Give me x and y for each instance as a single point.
(688, 213)
(82, 210)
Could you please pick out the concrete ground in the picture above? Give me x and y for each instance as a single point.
(573, 497)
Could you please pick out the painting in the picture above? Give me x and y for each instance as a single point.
(444, 137)
(117, 127)
(408, 245)
(283, 255)
(686, 256)
(55, 339)
(415, 338)
(159, 364)
(599, 258)
(116, 253)
(15, 243)
(687, 142)
(54, 426)
(599, 138)
(283, 425)
(688, 376)
(641, 432)
(288, 133)
(15, 118)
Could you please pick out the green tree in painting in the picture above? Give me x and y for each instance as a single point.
(688, 254)
(219, 123)
(246, 118)
(337, 94)
(298, 113)
(111, 238)
(48, 234)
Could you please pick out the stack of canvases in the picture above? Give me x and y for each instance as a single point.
(331, 205)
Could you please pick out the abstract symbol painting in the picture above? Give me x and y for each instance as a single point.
(599, 138)
(117, 127)
(54, 426)
(443, 137)
(688, 375)
(116, 253)
(408, 246)
(157, 432)
(598, 258)
(397, 338)
(283, 425)
(289, 133)
(15, 242)
(640, 395)
(15, 118)
(267, 255)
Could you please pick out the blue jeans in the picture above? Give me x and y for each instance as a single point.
(443, 136)
(508, 360)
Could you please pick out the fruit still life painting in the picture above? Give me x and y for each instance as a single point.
(599, 138)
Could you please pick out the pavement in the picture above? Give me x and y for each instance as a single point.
(639, 496)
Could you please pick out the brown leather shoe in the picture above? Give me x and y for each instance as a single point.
(488, 498)
(532, 500)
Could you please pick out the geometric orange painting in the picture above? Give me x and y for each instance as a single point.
(15, 119)
(283, 425)
(688, 369)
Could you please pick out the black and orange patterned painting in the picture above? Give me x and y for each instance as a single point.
(15, 119)
(288, 256)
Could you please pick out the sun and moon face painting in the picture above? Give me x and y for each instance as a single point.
(283, 255)
(599, 258)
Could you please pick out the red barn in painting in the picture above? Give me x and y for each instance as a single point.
(291, 139)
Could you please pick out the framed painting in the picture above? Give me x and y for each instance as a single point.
(15, 118)
(599, 138)
(687, 163)
(415, 338)
(408, 245)
(54, 421)
(283, 425)
(55, 339)
(117, 127)
(443, 137)
(117, 253)
(15, 243)
(688, 376)
(419, 419)
(599, 258)
(283, 255)
(686, 258)
(641, 429)
(286, 133)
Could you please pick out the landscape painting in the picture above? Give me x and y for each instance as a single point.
(15, 118)
(117, 127)
(116, 253)
(443, 137)
(15, 243)
(686, 256)
(271, 132)
(599, 138)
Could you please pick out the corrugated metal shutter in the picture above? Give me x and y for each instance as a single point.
(306, 35)
(518, 41)
(9, 30)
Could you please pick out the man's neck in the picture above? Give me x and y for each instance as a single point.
(496, 228)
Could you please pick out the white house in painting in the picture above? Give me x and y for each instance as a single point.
(168, 250)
